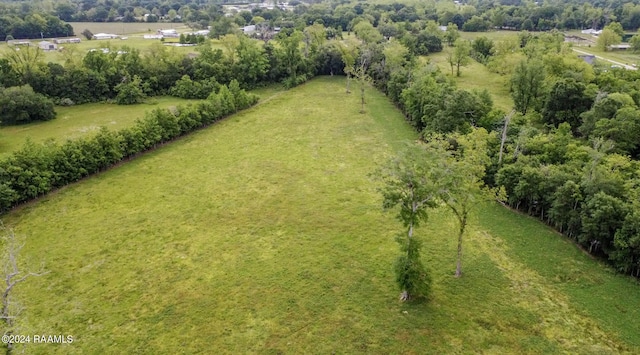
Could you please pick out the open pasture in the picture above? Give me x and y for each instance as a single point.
(264, 234)
(77, 121)
(477, 76)
(126, 28)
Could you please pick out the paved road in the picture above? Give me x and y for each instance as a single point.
(608, 60)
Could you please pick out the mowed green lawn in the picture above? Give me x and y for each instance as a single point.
(264, 234)
(76, 121)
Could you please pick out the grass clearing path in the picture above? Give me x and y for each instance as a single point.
(263, 233)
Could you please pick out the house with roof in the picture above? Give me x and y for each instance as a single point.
(47, 46)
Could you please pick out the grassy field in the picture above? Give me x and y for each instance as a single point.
(264, 234)
(134, 33)
(122, 28)
(477, 76)
(76, 121)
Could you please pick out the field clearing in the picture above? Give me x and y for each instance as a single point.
(80, 120)
(622, 56)
(137, 42)
(477, 76)
(126, 28)
(264, 234)
(134, 33)
(493, 35)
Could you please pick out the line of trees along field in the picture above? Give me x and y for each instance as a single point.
(25, 19)
(567, 154)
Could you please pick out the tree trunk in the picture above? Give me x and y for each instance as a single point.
(463, 224)
(504, 135)
(362, 96)
(348, 83)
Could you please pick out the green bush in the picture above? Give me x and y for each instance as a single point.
(20, 104)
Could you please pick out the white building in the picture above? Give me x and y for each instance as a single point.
(591, 31)
(47, 46)
(105, 36)
(66, 40)
(249, 29)
(168, 33)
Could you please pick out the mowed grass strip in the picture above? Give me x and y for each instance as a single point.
(264, 234)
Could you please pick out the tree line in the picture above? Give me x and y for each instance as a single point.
(37, 169)
(24, 18)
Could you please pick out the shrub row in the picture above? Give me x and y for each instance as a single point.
(36, 169)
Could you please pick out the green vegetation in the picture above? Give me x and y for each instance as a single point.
(263, 234)
(77, 121)
(477, 76)
(260, 232)
(122, 28)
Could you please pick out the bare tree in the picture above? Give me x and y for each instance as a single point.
(360, 73)
(12, 245)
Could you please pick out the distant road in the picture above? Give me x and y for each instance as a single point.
(608, 60)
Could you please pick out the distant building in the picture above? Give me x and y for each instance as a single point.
(16, 42)
(66, 40)
(105, 36)
(623, 47)
(591, 31)
(249, 29)
(168, 33)
(153, 36)
(47, 46)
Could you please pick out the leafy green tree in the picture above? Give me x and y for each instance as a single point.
(527, 85)
(626, 256)
(565, 102)
(130, 92)
(25, 61)
(252, 64)
(462, 178)
(602, 216)
(410, 185)
(290, 52)
(635, 43)
(604, 107)
(8, 76)
(20, 104)
(615, 27)
(87, 34)
(349, 54)
(482, 49)
(623, 129)
(452, 34)
(365, 31)
(607, 38)
(459, 56)
(565, 208)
